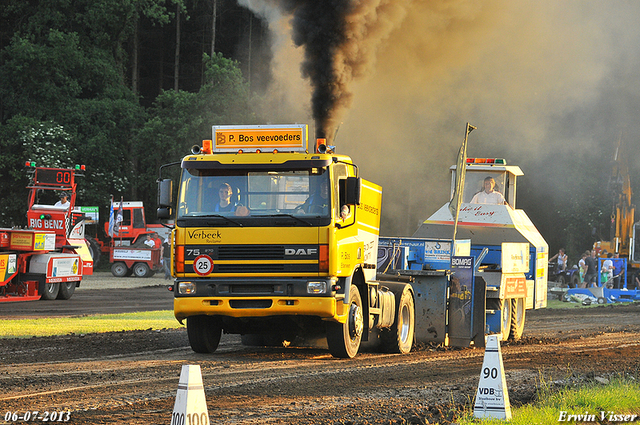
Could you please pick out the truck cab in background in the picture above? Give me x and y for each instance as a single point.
(48, 259)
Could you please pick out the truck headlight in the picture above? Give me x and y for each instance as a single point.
(186, 288)
(317, 287)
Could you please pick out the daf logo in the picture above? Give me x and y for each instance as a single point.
(300, 251)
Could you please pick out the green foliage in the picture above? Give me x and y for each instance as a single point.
(65, 101)
(180, 119)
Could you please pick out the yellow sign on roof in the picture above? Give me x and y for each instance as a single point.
(250, 138)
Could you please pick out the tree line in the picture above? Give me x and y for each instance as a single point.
(119, 86)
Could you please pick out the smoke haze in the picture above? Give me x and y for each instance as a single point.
(550, 85)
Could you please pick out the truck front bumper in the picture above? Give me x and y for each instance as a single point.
(258, 298)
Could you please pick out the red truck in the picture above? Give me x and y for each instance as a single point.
(127, 251)
(48, 259)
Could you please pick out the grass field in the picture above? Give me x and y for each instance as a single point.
(24, 328)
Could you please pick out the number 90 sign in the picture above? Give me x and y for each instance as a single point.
(203, 265)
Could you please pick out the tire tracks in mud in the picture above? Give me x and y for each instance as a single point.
(123, 380)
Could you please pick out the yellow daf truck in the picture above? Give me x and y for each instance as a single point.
(273, 241)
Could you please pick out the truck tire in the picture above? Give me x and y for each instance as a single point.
(119, 269)
(505, 322)
(66, 290)
(204, 333)
(344, 339)
(141, 270)
(94, 250)
(399, 338)
(48, 291)
(518, 310)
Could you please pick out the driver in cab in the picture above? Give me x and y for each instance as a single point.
(226, 205)
(489, 195)
(318, 202)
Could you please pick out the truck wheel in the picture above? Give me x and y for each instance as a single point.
(119, 269)
(518, 310)
(141, 270)
(344, 339)
(505, 323)
(66, 290)
(204, 333)
(94, 249)
(48, 291)
(399, 338)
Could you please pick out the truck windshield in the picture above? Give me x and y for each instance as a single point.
(262, 193)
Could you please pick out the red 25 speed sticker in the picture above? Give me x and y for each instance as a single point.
(203, 265)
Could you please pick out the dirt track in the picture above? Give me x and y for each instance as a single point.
(132, 377)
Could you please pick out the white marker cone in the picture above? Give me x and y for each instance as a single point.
(492, 398)
(191, 405)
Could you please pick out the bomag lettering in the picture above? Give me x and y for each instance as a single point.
(461, 261)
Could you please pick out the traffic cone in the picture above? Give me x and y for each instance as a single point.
(190, 406)
(492, 398)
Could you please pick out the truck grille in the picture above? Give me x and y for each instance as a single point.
(294, 258)
(257, 252)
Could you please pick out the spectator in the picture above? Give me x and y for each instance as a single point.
(149, 243)
(607, 271)
(157, 242)
(618, 272)
(561, 260)
(583, 266)
(591, 274)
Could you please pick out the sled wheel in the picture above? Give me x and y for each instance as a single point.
(505, 322)
(518, 310)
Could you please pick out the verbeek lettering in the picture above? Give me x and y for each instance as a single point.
(204, 234)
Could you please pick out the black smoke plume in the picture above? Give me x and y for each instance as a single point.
(319, 26)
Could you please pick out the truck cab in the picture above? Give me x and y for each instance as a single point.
(271, 240)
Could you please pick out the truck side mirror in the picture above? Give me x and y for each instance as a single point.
(350, 191)
(165, 198)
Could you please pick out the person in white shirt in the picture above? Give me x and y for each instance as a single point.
(488, 195)
(149, 243)
(64, 201)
